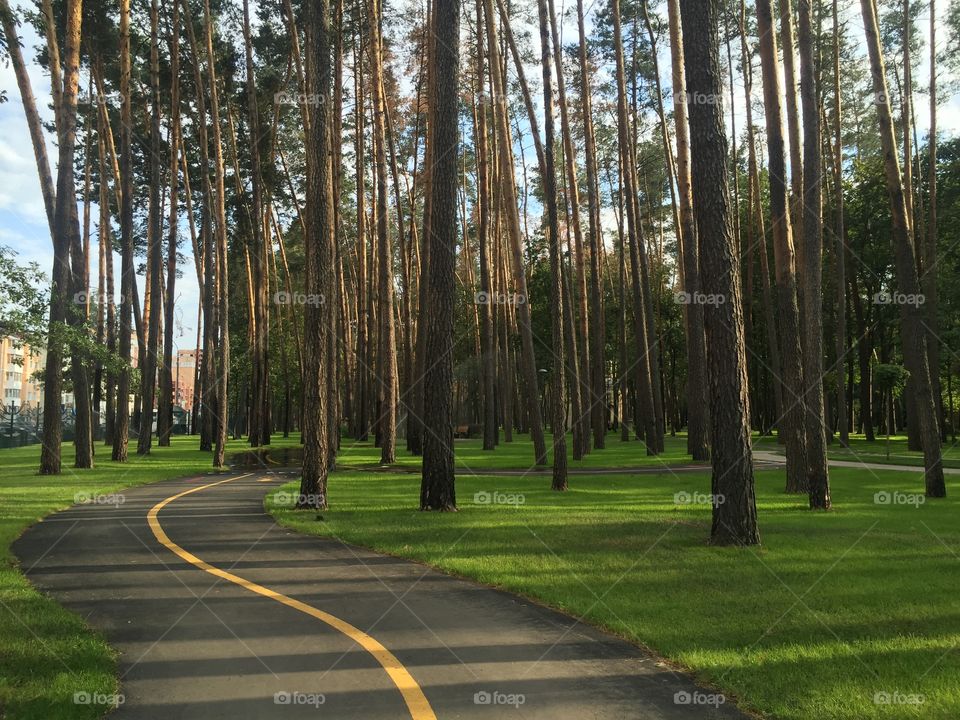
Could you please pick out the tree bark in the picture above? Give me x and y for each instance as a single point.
(437, 491)
(121, 430)
(148, 361)
(558, 376)
(793, 420)
(818, 478)
(508, 204)
(319, 257)
(387, 385)
(698, 409)
(912, 315)
(735, 516)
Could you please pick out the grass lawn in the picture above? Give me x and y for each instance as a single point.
(47, 653)
(518, 455)
(833, 609)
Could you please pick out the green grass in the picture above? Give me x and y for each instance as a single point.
(832, 609)
(47, 653)
(518, 455)
(878, 451)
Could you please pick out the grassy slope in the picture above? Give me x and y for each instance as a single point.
(46, 653)
(831, 610)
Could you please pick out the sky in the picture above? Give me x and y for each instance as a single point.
(23, 225)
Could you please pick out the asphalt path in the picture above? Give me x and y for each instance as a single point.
(217, 612)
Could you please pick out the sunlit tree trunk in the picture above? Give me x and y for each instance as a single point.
(121, 430)
(148, 360)
(818, 479)
(387, 385)
(843, 415)
(166, 401)
(642, 366)
(319, 256)
(930, 272)
(558, 380)
(734, 507)
(598, 379)
(221, 361)
(698, 411)
(912, 315)
(506, 191)
(793, 420)
(259, 425)
(484, 229)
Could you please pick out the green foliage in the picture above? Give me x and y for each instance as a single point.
(24, 298)
(890, 378)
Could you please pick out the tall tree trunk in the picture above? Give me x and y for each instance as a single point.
(508, 204)
(65, 229)
(167, 399)
(644, 385)
(487, 331)
(148, 361)
(222, 349)
(818, 478)
(581, 378)
(756, 205)
(698, 409)
(912, 315)
(387, 415)
(734, 507)
(121, 431)
(929, 269)
(795, 147)
(598, 379)
(437, 490)
(843, 414)
(319, 257)
(793, 420)
(259, 351)
(361, 425)
(558, 376)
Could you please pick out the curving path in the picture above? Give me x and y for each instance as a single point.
(219, 613)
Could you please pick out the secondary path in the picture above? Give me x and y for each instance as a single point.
(772, 458)
(217, 612)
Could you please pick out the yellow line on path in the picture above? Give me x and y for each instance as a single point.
(412, 693)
